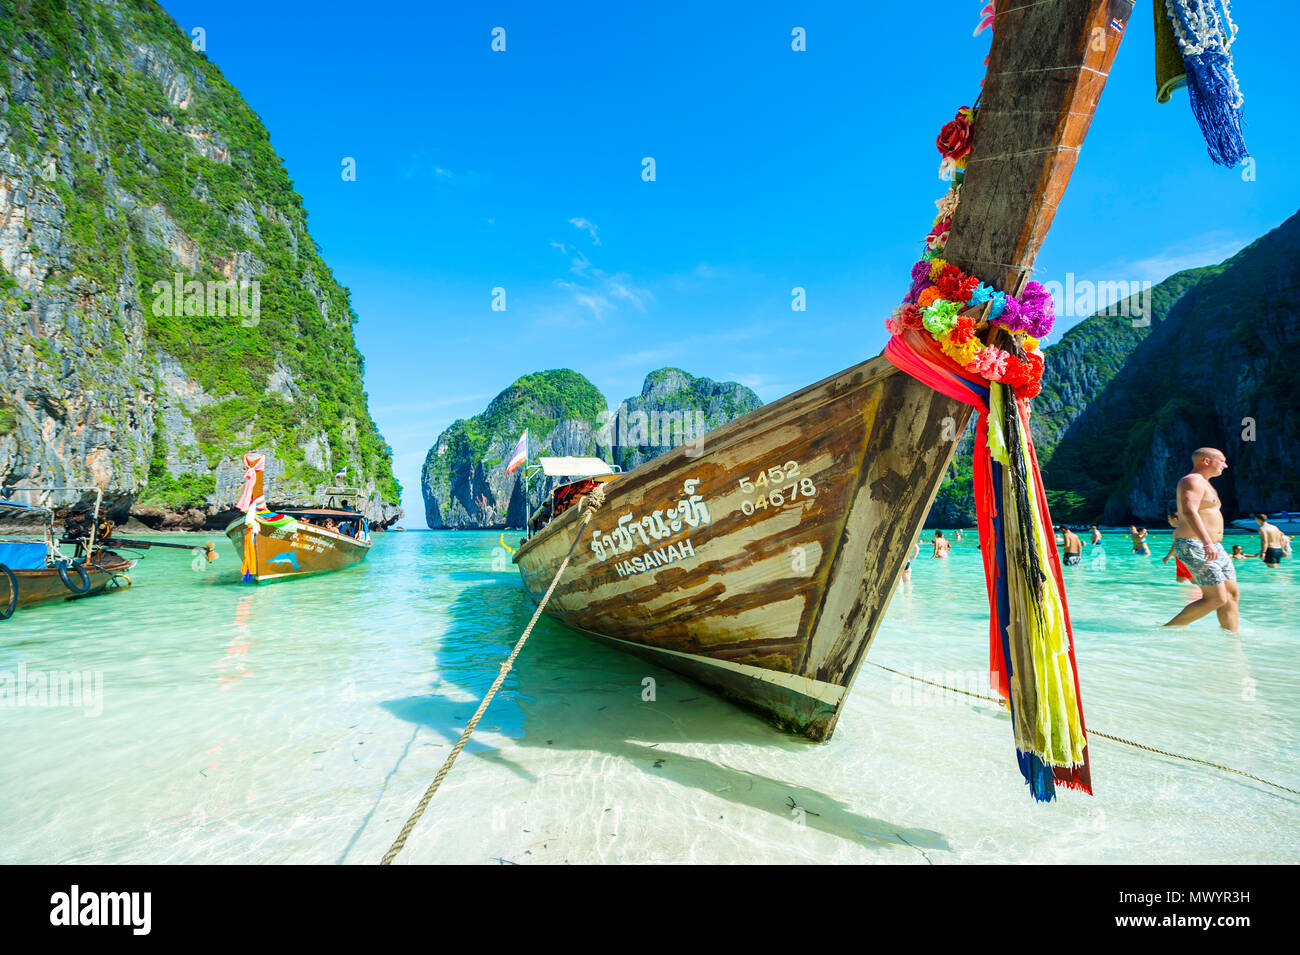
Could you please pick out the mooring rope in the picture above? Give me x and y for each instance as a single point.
(1098, 733)
(589, 505)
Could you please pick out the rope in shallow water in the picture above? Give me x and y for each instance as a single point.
(1098, 733)
(589, 505)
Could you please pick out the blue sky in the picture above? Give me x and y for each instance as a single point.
(774, 169)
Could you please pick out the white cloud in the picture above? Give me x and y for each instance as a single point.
(1210, 249)
(423, 164)
(595, 291)
(619, 287)
(587, 226)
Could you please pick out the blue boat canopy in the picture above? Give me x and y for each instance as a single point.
(23, 555)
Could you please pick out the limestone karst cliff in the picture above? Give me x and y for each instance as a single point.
(673, 408)
(162, 304)
(1124, 405)
(464, 480)
(1222, 369)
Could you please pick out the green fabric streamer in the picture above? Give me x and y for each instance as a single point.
(1171, 72)
(997, 441)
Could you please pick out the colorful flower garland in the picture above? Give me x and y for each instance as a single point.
(943, 299)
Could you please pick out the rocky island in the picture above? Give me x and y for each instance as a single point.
(464, 480)
(163, 306)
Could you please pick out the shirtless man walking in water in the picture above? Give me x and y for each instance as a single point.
(1197, 543)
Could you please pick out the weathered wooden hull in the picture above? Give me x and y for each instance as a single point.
(777, 608)
(772, 601)
(44, 586)
(307, 550)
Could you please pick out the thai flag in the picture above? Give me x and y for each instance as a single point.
(340, 475)
(520, 455)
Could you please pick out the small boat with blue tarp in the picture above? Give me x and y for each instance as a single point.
(35, 570)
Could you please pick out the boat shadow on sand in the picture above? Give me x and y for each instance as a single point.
(567, 692)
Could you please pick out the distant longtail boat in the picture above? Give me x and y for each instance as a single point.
(296, 541)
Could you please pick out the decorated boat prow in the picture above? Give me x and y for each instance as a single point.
(762, 563)
(296, 541)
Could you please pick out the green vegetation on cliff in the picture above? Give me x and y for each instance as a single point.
(1091, 353)
(160, 168)
(536, 402)
(173, 493)
(1221, 370)
(684, 407)
(727, 399)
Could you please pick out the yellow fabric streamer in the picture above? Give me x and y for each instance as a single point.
(1046, 706)
(1058, 738)
(997, 441)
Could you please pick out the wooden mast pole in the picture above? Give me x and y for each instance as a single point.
(1047, 68)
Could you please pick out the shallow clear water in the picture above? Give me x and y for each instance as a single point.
(301, 721)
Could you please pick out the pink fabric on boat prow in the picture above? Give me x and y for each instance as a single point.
(253, 463)
(915, 354)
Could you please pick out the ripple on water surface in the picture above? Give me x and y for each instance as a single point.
(301, 722)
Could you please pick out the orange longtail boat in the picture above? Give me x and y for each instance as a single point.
(295, 542)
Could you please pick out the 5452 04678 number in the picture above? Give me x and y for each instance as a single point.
(780, 493)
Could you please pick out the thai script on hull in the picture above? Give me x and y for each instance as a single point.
(690, 513)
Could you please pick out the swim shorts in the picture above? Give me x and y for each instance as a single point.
(1205, 573)
(1072, 560)
(1273, 555)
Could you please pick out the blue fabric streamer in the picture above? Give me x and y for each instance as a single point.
(1209, 88)
(1211, 84)
(999, 300)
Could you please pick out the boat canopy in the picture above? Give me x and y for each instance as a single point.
(574, 467)
(24, 513)
(15, 507)
(348, 515)
(22, 555)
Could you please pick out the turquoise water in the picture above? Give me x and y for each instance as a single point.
(301, 722)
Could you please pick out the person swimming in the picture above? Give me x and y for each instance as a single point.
(1272, 542)
(1096, 534)
(1072, 544)
(941, 547)
(1139, 538)
(914, 553)
(1239, 554)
